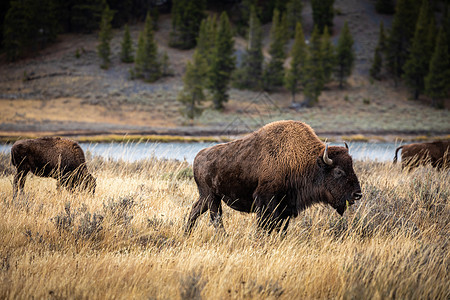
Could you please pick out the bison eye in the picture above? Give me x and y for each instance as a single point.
(337, 173)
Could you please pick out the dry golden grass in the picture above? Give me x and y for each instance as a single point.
(127, 241)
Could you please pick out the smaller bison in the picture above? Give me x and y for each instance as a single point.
(275, 172)
(53, 157)
(421, 154)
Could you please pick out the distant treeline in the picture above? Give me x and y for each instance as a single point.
(29, 25)
(415, 49)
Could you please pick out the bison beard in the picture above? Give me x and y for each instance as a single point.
(276, 172)
(54, 157)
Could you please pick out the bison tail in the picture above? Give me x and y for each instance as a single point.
(396, 151)
(17, 157)
(13, 157)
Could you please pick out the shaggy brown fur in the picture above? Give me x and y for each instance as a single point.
(276, 172)
(53, 157)
(436, 153)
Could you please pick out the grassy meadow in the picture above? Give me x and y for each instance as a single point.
(127, 241)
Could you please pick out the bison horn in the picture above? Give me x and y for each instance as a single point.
(346, 146)
(326, 159)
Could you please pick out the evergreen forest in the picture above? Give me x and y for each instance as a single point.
(413, 50)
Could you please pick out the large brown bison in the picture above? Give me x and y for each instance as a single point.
(276, 171)
(54, 157)
(420, 154)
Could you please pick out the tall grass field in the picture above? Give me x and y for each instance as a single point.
(127, 241)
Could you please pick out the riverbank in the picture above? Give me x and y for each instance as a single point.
(213, 137)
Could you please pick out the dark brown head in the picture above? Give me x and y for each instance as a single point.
(338, 179)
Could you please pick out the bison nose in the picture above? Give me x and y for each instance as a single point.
(357, 195)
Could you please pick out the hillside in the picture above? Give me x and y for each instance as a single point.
(58, 93)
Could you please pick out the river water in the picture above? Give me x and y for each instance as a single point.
(187, 151)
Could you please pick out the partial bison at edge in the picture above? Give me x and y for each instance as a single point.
(276, 172)
(420, 154)
(53, 157)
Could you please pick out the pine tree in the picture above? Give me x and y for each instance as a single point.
(432, 33)
(328, 56)
(105, 36)
(206, 38)
(294, 76)
(345, 55)
(166, 70)
(323, 14)
(154, 13)
(274, 72)
(85, 15)
(377, 63)
(382, 40)
(249, 75)
(192, 95)
(437, 82)
(446, 21)
(401, 34)
(266, 9)
(46, 22)
(417, 65)
(280, 5)
(385, 7)
(204, 51)
(146, 61)
(140, 54)
(223, 62)
(176, 14)
(242, 16)
(4, 7)
(186, 18)
(122, 9)
(313, 74)
(294, 10)
(17, 30)
(126, 52)
(28, 26)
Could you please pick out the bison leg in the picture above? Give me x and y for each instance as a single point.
(199, 207)
(272, 214)
(60, 184)
(66, 180)
(273, 221)
(215, 211)
(19, 181)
